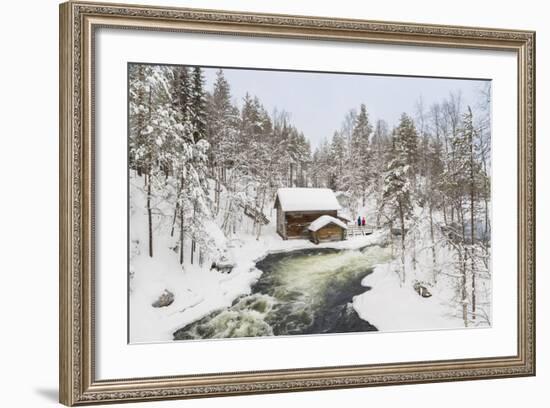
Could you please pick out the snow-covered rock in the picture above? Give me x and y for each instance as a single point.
(166, 299)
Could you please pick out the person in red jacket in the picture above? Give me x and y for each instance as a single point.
(363, 221)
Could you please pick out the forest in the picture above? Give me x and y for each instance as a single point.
(208, 168)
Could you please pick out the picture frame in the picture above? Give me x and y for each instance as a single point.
(79, 23)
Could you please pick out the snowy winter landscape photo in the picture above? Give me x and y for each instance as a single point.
(275, 203)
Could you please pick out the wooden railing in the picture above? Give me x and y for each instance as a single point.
(256, 215)
(356, 230)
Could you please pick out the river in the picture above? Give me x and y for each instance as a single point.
(307, 291)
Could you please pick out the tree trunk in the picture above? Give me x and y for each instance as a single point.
(485, 193)
(464, 293)
(460, 218)
(413, 245)
(181, 246)
(215, 175)
(219, 172)
(261, 208)
(472, 226)
(432, 236)
(402, 219)
(181, 224)
(487, 227)
(149, 216)
(193, 244)
(378, 209)
(392, 246)
(174, 218)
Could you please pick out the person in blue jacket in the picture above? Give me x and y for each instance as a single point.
(359, 221)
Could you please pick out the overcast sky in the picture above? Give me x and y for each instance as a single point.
(319, 102)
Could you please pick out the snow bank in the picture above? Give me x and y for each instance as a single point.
(392, 307)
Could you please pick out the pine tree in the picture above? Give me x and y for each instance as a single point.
(432, 194)
(407, 138)
(178, 157)
(360, 156)
(144, 153)
(198, 104)
(399, 180)
(181, 90)
(140, 108)
(338, 160)
(221, 131)
(221, 118)
(380, 146)
(464, 181)
(470, 175)
(195, 177)
(323, 175)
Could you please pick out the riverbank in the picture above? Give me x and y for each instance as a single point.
(302, 291)
(392, 306)
(200, 291)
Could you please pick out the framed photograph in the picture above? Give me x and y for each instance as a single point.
(256, 203)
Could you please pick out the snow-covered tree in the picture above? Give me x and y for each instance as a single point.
(380, 150)
(197, 104)
(206, 163)
(221, 131)
(338, 158)
(399, 180)
(464, 184)
(360, 157)
(166, 146)
(150, 132)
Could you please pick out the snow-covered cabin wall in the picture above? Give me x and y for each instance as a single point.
(297, 208)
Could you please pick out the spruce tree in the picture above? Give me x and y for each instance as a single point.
(198, 104)
(360, 155)
(221, 130)
(338, 160)
(399, 180)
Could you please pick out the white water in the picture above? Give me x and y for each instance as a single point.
(299, 292)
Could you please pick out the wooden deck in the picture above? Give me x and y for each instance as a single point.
(356, 230)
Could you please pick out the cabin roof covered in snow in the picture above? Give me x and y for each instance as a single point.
(307, 199)
(324, 220)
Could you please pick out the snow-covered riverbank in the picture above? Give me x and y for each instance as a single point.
(199, 291)
(391, 306)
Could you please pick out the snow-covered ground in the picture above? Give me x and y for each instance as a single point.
(388, 305)
(197, 290)
(391, 306)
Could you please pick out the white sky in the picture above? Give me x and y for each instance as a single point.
(318, 102)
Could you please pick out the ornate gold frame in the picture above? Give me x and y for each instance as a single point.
(78, 20)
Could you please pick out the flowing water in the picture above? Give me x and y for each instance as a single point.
(300, 292)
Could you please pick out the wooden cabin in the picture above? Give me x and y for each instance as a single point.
(327, 228)
(298, 208)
